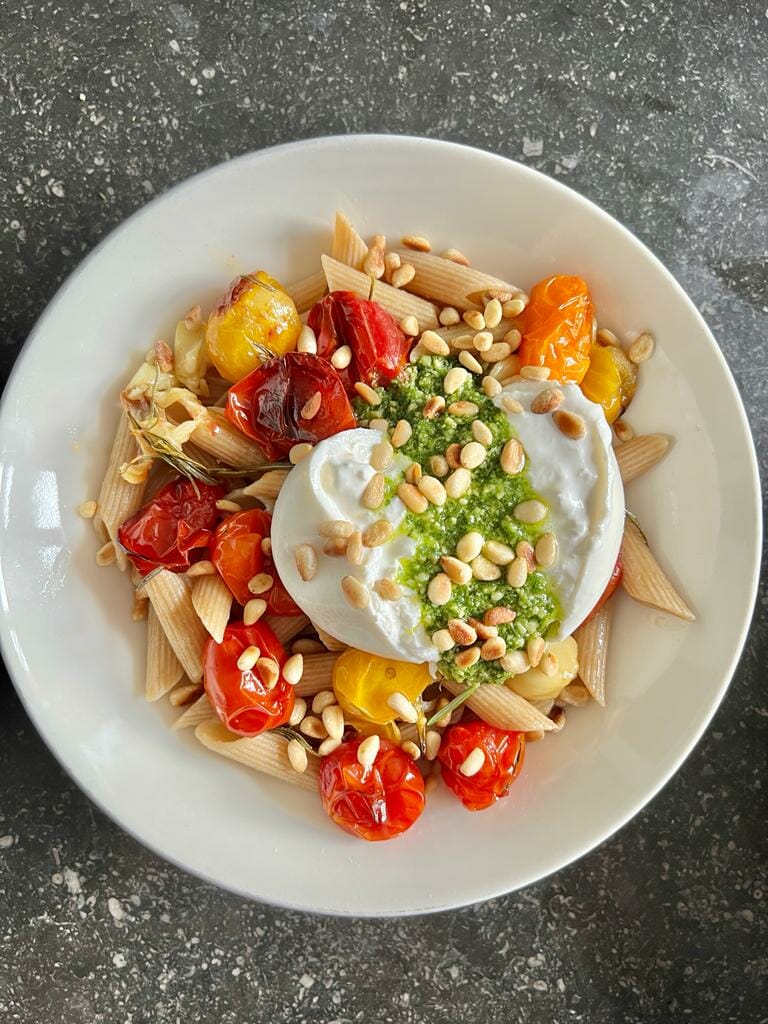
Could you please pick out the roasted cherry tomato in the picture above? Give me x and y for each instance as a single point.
(501, 765)
(373, 803)
(237, 553)
(256, 311)
(267, 405)
(363, 682)
(611, 586)
(240, 697)
(557, 328)
(610, 380)
(174, 523)
(379, 347)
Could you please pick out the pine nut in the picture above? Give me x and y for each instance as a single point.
(512, 458)
(202, 568)
(534, 649)
(328, 746)
(307, 342)
(452, 455)
(517, 573)
(432, 490)
(493, 649)
(410, 325)
(467, 359)
(333, 720)
(354, 550)
(373, 264)
(434, 344)
(411, 749)
(443, 640)
(515, 662)
(253, 610)
(462, 342)
(641, 348)
(311, 407)
(367, 393)
(413, 473)
(456, 378)
(342, 357)
(248, 658)
(368, 750)
(336, 528)
(492, 313)
(313, 727)
(439, 465)
(404, 274)
(483, 632)
(106, 554)
(532, 511)
(498, 553)
(402, 707)
(483, 569)
(440, 589)
(524, 550)
(449, 316)
(623, 430)
(473, 762)
(297, 755)
(412, 498)
(510, 404)
(378, 424)
(306, 561)
(570, 424)
(456, 256)
(513, 308)
(482, 341)
(432, 742)
(535, 372)
(606, 337)
(482, 433)
(261, 583)
(468, 657)
(462, 633)
(505, 368)
(456, 570)
(513, 338)
(387, 589)
(417, 242)
(463, 408)
(547, 401)
(458, 483)
(224, 505)
(475, 319)
(87, 509)
(433, 407)
(469, 546)
(299, 452)
(472, 455)
(293, 669)
(548, 664)
(355, 592)
(269, 670)
(377, 533)
(401, 434)
(491, 387)
(546, 550)
(373, 495)
(323, 700)
(499, 615)
(391, 262)
(498, 352)
(266, 546)
(299, 711)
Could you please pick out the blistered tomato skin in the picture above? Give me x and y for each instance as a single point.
(236, 551)
(240, 697)
(610, 380)
(504, 752)
(557, 328)
(176, 522)
(268, 403)
(362, 683)
(374, 803)
(256, 311)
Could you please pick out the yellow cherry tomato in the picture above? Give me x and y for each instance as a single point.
(363, 682)
(256, 311)
(535, 685)
(610, 380)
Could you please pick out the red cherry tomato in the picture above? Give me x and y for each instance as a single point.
(178, 520)
(373, 803)
(379, 346)
(610, 587)
(557, 328)
(240, 697)
(237, 553)
(503, 760)
(267, 404)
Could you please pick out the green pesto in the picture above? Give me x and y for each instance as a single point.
(487, 507)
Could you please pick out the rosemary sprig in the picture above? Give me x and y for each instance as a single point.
(452, 705)
(633, 519)
(291, 734)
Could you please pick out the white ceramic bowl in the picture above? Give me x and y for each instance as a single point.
(77, 659)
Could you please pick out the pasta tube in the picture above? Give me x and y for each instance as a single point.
(118, 500)
(286, 627)
(639, 454)
(163, 667)
(446, 282)
(317, 674)
(645, 580)
(342, 278)
(265, 753)
(212, 600)
(200, 711)
(307, 292)
(501, 707)
(401, 303)
(592, 639)
(347, 246)
(215, 435)
(170, 596)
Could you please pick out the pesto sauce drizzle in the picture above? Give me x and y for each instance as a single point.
(487, 507)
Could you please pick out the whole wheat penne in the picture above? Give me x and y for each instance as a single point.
(342, 278)
(639, 454)
(212, 600)
(266, 753)
(330, 642)
(645, 580)
(501, 707)
(446, 282)
(401, 303)
(575, 694)
(217, 436)
(163, 667)
(192, 716)
(317, 674)
(347, 246)
(308, 291)
(171, 598)
(592, 640)
(118, 499)
(267, 487)
(286, 627)
(458, 330)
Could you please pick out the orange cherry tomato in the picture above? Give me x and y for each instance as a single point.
(373, 803)
(240, 697)
(610, 587)
(237, 553)
(503, 752)
(557, 328)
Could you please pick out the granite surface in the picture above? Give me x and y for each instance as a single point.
(655, 110)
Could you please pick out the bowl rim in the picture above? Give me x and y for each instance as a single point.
(12, 661)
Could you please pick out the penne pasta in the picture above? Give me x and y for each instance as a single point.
(501, 707)
(266, 753)
(163, 667)
(317, 674)
(330, 642)
(347, 246)
(401, 303)
(215, 435)
(645, 580)
(286, 627)
(267, 487)
(639, 454)
(308, 291)
(192, 716)
(170, 596)
(449, 334)
(212, 600)
(592, 639)
(118, 499)
(342, 278)
(448, 283)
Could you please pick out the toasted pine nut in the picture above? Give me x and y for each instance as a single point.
(312, 406)
(467, 359)
(368, 750)
(462, 633)
(449, 316)
(475, 319)
(266, 546)
(401, 434)
(499, 615)
(534, 649)
(515, 662)
(329, 745)
(439, 465)
(463, 408)
(482, 433)
(299, 452)
(524, 550)
(433, 407)
(497, 352)
(506, 368)
(333, 720)
(306, 561)
(458, 483)
(546, 550)
(297, 755)
(456, 378)
(513, 308)
(492, 313)
(491, 387)
(473, 455)
(433, 343)
(377, 533)
(269, 670)
(547, 401)
(512, 458)
(355, 592)
(373, 495)
(323, 700)
(373, 264)
(202, 568)
(456, 256)
(391, 262)
(404, 274)
(623, 430)
(432, 742)
(336, 547)
(87, 509)
(548, 664)
(470, 545)
(606, 337)
(532, 511)
(342, 357)
(432, 490)
(293, 669)
(440, 589)
(412, 498)
(402, 707)
(307, 342)
(410, 325)
(570, 424)
(253, 610)
(248, 658)
(411, 749)
(417, 242)
(535, 372)
(468, 657)
(387, 589)
(354, 550)
(261, 583)
(453, 456)
(367, 393)
(225, 505)
(484, 632)
(378, 424)
(299, 711)
(313, 727)
(443, 640)
(457, 571)
(493, 649)
(473, 762)
(510, 404)
(498, 553)
(513, 338)
(482, 341)
(336, 528)
(484, 569)
(641, 348)
(413, 473)
(517, 573)
(464, 342)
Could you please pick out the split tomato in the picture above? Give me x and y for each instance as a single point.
(274, 403)
(176, 522)
(237, 553)
(503, 758)
(373, 803)
(557, 328)
(242, 698)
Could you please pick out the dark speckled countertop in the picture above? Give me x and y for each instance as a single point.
(657, 111)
